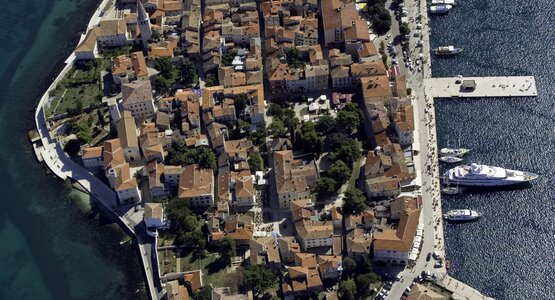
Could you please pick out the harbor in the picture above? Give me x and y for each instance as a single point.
(482, 87)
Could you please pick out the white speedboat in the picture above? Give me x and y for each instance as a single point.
(482, 175)
(450, 159)
(451, 190)
(447, 50)
(440, 9)
(461, 215)
(453, 151)
(443, 2)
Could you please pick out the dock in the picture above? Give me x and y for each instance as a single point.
(482, 87)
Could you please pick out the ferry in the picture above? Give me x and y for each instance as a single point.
(486, 176)
(447, 50)
(440, 9)
(462, 215)
(458, 152)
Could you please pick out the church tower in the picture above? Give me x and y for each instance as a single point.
(143, 21)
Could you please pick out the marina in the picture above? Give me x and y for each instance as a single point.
(482, 87)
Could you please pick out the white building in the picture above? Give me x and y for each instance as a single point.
(127, 134)
(92, 157)
(394, 246)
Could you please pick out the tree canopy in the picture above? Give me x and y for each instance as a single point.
(347, 290)
(181, 155)
(227, 249)
(355, 201)
(340, 172)
(349, 118)
(293, 57)
(259, 278)
(185, 225)
(256, 163)
(325, 187)
(189, 73)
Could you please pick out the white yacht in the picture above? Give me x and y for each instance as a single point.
(440, 9)
(450, 159)
(447, 50)
(482, 175)
(453, 151)
(443, 2)
(462, 215)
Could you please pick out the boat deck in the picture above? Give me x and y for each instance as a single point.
(485, 87)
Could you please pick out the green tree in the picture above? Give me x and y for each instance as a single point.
(384, 60)
(325, 187)
(259, 278)
(228, 56)
(404, 28)
(205, 293)
(347, 290)
(293, 57)
(311, 142)
(349, 118)
(256, 163)
(277, 129)
(363, 282)
(189, 73)
(349, 152)
(275, 110)
(290, 121)
(349, 266)
(181, 155)
(83, 132)
(161, 84)
(227, 249)
(240, 102)
(326, 124)
(340, 172)
(354, 201)
(185, 226)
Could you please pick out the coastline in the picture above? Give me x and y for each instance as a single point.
(460, 290)
(63, 167)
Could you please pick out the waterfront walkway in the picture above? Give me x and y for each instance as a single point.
(425, 140)
(64, 167)
(505, 86)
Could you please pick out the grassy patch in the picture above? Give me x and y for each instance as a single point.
(214, 272)
(355, 174)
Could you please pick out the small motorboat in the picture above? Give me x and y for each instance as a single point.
(451, 190)
(458, 152)
(450, 159)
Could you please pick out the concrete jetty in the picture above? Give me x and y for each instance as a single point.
(482, 87)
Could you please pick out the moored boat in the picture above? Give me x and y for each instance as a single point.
(450, 159)
(443, 2)
(451, 190)
(440, 9)
(462, 215)
(486, 176)
(453, 151)
(447, 50)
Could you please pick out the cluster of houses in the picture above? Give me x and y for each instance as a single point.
(232, 47)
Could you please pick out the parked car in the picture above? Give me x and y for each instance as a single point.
(428, 256)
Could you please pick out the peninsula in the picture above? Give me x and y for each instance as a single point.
(256, 149)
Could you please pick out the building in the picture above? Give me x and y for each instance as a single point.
(92, 157)
(154, 217)
(137, 98)
(330, 267)
(196, 185)
(112, 33)
(143, 22)
(310, 231)
(293, 178)
(394, 246)
(264, 250)
(301, 281)
(127, 134)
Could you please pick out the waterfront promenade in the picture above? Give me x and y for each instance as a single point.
(504, 86)
(425, 140)
(64, 167)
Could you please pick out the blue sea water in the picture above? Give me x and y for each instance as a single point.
(51, 246)
(510, 252)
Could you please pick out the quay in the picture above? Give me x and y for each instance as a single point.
(47, 149)
(482, 87)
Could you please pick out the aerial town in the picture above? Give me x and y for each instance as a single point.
(266, 148)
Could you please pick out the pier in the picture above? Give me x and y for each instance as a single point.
(482, 87)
